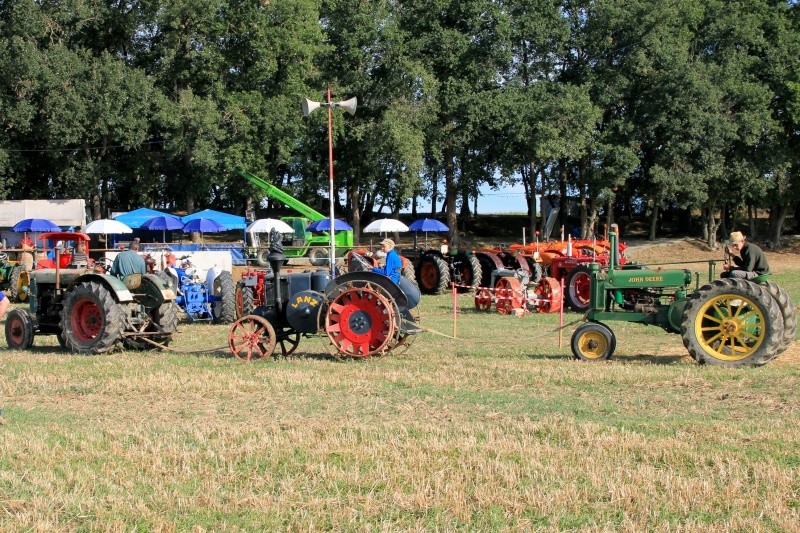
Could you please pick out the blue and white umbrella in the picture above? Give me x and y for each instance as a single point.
(325, 225)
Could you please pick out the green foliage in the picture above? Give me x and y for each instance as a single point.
(669, 105)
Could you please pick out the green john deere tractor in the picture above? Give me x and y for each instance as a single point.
(730, 322)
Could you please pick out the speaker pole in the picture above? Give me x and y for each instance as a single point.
(331, 231)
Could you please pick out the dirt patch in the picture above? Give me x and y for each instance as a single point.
(688, 249)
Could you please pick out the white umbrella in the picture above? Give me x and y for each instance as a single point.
(105, 226)
(265, 225)
(385, 225)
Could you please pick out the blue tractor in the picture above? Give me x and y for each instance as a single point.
(210, 299)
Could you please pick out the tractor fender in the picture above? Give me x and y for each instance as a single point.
(115, 285)
(390, 286)
(212, 274)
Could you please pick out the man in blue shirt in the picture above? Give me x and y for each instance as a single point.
(394, 265)
(4, 301)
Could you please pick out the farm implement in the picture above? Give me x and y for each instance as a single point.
(91, 312)
(359, 314)
(731, 322)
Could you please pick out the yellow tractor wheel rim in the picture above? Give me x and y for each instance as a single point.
(593, 345)
(22, 287)
(730, 327)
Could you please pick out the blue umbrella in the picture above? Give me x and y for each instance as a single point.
(164, 223)
(325, 225)
(426, 225)
(203, 225)
(35, 225)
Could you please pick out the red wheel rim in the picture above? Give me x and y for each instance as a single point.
(483, 299)
(580, 287)
(360, 322)
(429, 275)
(16, 330)
(87, 320)
(548, 296)
(251, 337)
(510, 295)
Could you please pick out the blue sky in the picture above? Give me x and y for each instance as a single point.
(505, 200)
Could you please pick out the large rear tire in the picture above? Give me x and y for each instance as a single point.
(223, 309)
(469, 272)
(92, 321)
(319, 256)
(433, 274)
(732, 322)
(408, 271)
(245, 300)
(19, 330)
(788, 312)
(578, 287)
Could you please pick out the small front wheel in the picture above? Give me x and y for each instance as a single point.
(593, 341)
(252, 337)
(19, 330)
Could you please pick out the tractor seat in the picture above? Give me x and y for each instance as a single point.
(132, 281)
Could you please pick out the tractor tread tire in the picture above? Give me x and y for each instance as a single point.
(224, 310)
(111, 328)
(772, 326)
(476, 275)
(245, 300)
(570, 292)
(14, 294)
(442, 283)
(409, 273)
(318, 257)
(788, 311)
(19, 330)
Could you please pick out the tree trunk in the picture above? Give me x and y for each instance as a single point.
(584, 212)
(434, 192)
(609, 215)
(653, 221)
(712, 225)
(562, 197)
(777, 216)
(451, 192)
(355, 214)
(530, 193)
(751, 221)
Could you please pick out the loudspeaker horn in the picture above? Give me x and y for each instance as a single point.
(309, 106)
(349, 105)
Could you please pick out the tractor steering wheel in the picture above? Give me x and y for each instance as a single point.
(362, 262)
(103, 265)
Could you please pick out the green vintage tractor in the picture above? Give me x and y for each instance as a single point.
(90, 311)
(14, 279)
(730, 322)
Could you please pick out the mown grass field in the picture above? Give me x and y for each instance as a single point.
(497, 430)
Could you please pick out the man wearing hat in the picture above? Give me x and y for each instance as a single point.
(394, 265)
(748, 259)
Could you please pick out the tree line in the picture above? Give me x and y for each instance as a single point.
(668, 110)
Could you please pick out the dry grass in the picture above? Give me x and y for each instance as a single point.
(498, 430)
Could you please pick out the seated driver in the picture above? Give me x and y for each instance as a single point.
(79, 257)
(394, 265)
(128, 262)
